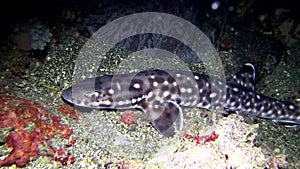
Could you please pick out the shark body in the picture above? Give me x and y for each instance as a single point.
(161, 94)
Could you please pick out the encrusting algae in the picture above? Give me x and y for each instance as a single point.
(30, 128)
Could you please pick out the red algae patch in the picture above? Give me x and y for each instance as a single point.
(30, 126)
(201, 139)
(24, 147)
(69, 111)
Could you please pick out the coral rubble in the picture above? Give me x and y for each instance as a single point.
(233, 148)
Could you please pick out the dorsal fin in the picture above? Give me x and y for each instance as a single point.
(245, 77)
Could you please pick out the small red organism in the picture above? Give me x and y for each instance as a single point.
(72, 160)
(65, 159)
(201, 139)
(41, 126)
(128, 118)
(72, 142)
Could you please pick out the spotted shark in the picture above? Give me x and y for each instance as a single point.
(161, 95)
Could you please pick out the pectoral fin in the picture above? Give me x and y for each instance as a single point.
(166, 117)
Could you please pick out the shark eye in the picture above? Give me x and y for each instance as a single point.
(94, 96)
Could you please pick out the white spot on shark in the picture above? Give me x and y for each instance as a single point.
(137, 85)
(213, 95)
(182, 90)
(166, 93)
(111, 91)
(189, 90)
